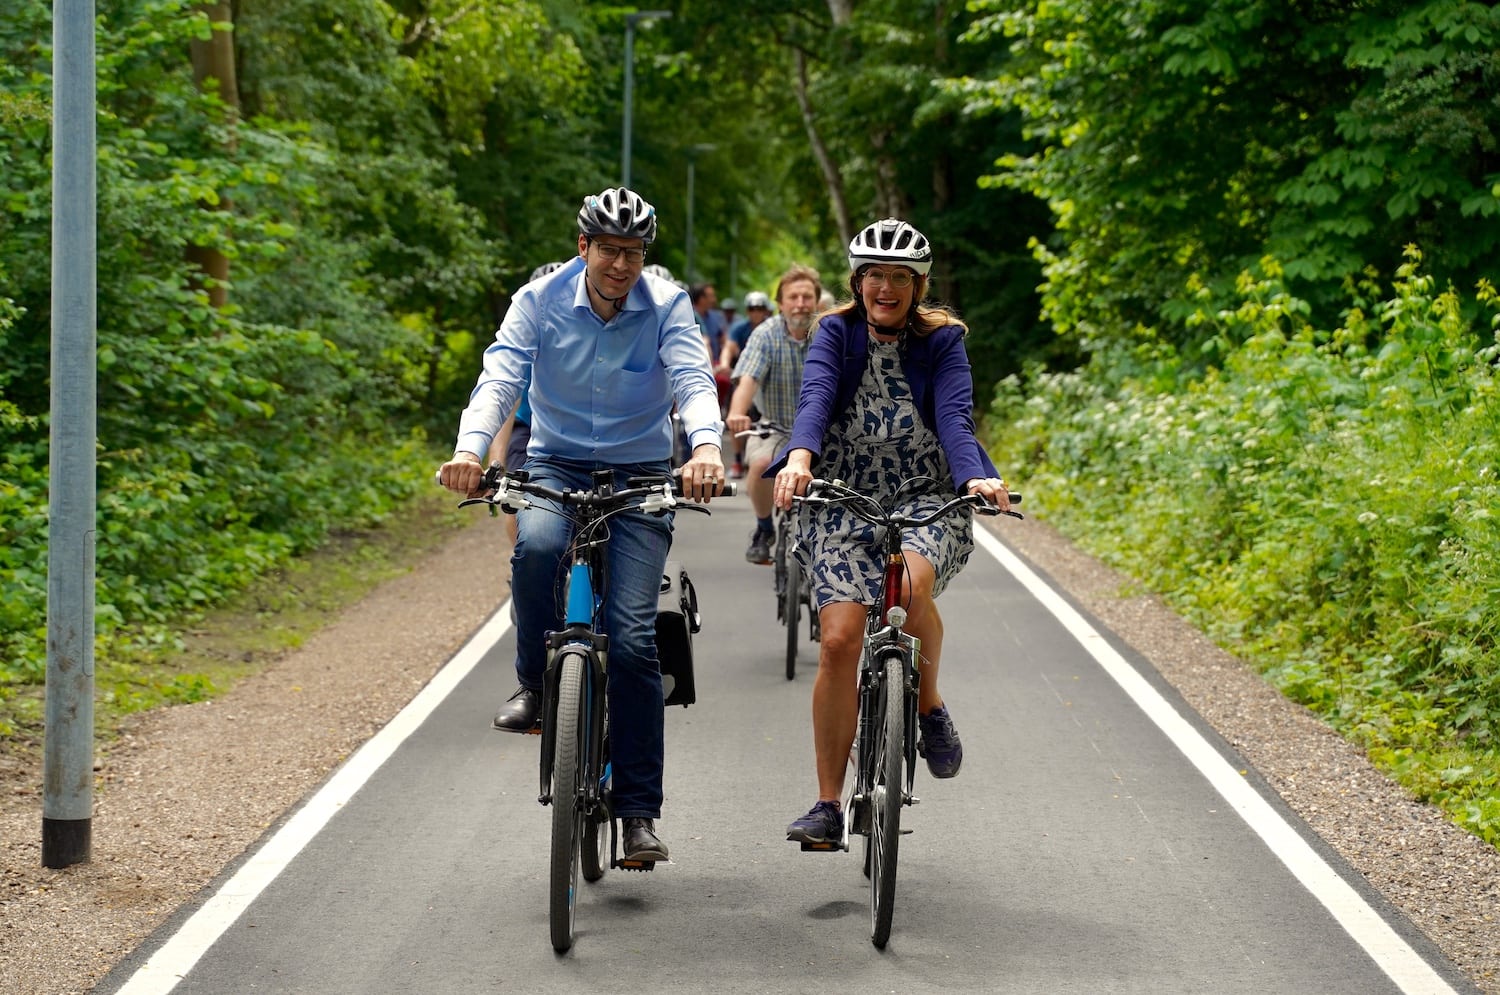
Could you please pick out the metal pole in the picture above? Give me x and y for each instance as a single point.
(692, 157)
(693, 151)
(629, 97)
(67, 753)
(734, 257)
(630, 22)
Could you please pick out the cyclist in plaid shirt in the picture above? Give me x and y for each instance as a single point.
(769, 375)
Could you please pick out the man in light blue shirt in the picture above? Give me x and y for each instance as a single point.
(606, 351)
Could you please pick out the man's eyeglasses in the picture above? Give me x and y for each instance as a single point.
(609, 253)
(898, 278)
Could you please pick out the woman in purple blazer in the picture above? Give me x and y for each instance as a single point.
(886, 396)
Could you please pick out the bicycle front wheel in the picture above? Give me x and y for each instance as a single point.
(885, 800)
(791, 608)
(567, 801)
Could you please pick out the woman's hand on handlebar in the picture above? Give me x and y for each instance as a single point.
(992, 489)
(793, 478)
(738, 423)
(463, 474)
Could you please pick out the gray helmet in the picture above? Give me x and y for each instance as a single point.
(657, 269)
(618, 211)
(891, 241)
(546, 268)
(757, 298)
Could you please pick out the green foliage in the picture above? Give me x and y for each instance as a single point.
(1179, 141)
(1321, 502)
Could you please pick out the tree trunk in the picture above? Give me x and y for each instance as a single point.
(831, 176)
(214, 60)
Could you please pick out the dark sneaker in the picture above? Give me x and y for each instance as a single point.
(760, 547)
(522, 713)
(641, 842)
(938, 742)
(824, 824)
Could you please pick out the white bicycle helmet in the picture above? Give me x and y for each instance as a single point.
(657, 269)
(891, 241)
(618, 211)
(546, 268)
(757, 298)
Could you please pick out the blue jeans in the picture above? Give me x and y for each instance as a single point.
(637, 556)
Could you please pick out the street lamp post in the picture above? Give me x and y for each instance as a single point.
(630, 22)
(692, 158)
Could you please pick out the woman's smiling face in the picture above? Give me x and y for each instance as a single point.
(887, 294)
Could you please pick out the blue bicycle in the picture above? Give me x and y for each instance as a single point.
(575, 767)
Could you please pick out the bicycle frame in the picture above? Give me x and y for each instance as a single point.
(884, 635)
(578, 632)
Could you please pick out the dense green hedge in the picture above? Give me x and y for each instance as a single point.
(1322, 502)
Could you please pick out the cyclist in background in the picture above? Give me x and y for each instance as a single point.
(617, 349)
(886, 395)
(757, 310)
(509, 446)
(769, 377)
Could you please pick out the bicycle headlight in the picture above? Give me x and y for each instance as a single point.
(896, 616)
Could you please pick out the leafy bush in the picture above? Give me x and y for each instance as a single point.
(1321, 502)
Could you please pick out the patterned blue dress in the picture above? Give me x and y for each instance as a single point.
(874, 445)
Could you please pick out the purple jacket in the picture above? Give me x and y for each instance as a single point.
(936, 366)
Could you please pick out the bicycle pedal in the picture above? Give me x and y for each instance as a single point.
(636, 865)
(827, 847)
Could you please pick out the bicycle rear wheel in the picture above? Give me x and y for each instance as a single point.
(594, 850)
(791, 607)
(567, 804)
(885, 801)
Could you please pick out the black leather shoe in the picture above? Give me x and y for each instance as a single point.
(521, 713)
(641, 842)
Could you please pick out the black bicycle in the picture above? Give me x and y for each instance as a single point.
(789, 580)
(575, 765)
(885, 744)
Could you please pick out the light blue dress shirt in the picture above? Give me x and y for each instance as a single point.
(600, 391)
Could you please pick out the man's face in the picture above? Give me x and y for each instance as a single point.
(708, 301)
(612, 277)
(798, 300)
(757, 315)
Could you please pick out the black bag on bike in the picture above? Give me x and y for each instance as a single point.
(676, 621)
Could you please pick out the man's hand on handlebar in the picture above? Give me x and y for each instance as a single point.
(703, 474)
(463, 474)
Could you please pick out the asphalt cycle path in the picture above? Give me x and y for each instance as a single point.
(1099, 839)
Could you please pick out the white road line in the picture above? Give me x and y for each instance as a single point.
(1411, 973)
(171, 963)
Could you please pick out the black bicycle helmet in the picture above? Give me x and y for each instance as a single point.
(891, 241)
(618, 211)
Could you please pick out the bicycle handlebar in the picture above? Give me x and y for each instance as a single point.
(837, 492)
(508, 491)
(763, 430)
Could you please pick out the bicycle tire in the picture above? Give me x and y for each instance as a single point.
(885, 801)
(792, 607)
(567, 811)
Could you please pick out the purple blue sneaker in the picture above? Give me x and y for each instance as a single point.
(939, 743)
(824, 824)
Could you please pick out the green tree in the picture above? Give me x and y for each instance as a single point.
(1176, 143)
